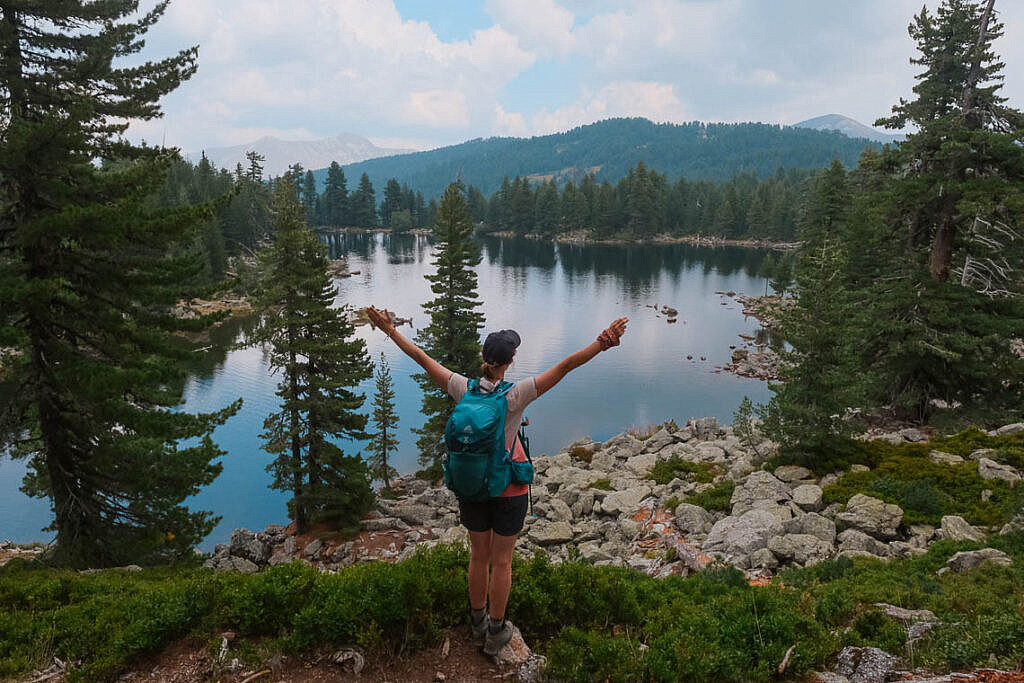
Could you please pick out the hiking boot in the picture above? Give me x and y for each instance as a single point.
(479, 629)
(497, 640)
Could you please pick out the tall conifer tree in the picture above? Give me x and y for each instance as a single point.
(92, 268)
(453, 335)
(385, 422)
(322, 364)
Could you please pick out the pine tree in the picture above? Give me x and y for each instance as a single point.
(334, 202)
(385, 421)
(932, 332)
(452, 336)
(92, 266)
(363, 206)
(806, 415)
(310, 200)
(393, 201)
(322, 362)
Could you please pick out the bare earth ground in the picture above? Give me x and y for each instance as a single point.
(189, 661)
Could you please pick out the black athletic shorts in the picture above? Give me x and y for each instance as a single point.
(504, 515)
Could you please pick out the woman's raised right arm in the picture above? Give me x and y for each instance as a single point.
(437, 372)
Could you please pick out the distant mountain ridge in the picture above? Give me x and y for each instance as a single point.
(849, 127)
(609, 148)
(346, 148)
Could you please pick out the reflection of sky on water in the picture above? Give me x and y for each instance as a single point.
(558, 297)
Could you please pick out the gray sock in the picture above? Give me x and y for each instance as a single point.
(477, 615)
(496, 626)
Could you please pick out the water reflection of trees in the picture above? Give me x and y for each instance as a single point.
(519, 253)
(213, 345)
(640, 266)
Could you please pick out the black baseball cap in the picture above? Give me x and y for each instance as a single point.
(499, 347)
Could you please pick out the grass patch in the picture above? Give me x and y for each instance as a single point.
(675, 467)
(845, 452)
(602, 485)
(927, 491)
(581, 453)
(590, 621)
(717, 498)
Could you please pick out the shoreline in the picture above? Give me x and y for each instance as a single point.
(584, 238)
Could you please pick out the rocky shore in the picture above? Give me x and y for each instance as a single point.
(597, 502)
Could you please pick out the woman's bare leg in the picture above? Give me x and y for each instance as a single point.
(479, 559)
(501, 574)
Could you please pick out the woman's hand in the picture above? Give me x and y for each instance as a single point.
(380, 319)
(611, 335)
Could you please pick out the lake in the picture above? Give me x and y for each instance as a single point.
(557, 296)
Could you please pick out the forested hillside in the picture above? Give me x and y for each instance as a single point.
(608, 149)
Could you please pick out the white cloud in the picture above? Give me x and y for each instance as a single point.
(508, 123)
(542, 26)
(656, 101)
(440, 107)
(328, 67)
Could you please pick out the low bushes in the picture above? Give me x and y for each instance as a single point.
(594, 623)
(716, 498)
(675, 467)
(927, 491)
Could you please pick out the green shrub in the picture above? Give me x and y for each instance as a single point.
(602, 484)
(717, 498)
(675, 467)
(581, 453)
(927, 491)
(874, 628)
(671, 503)
(577, 656)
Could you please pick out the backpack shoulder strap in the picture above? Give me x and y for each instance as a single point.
(503, 388)
(472, 385)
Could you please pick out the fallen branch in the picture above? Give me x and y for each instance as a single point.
(782, 666)
(256, 675)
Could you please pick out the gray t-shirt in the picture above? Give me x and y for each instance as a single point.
(519, 396)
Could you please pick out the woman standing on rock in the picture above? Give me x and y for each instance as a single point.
(494, 524)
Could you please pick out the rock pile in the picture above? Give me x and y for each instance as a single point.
(595, 501)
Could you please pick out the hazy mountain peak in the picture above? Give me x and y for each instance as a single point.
(849, 127)
(345, 148)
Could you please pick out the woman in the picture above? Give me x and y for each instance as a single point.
(494, 524)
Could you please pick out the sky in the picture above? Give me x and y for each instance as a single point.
(426, 73)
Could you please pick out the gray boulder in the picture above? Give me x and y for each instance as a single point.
(969, 559)
(550, 533)
(865, 664)
(852, 539)
(692, 519)
(704, 428)
(641, 464)
(245, 544)
(762, 559)
(803, 549)
(943, 458)
(416, 515)
(788, 473)
(872, 516)
(759, 486)
(739, 537)
(313, 548)
(957, 529)
(808, 497)
(817, 526)
(658, 440)
(990, 469)
(290, 545)
(1007, 430)
(624, 501)
(603, 461)
(914, 435)
(558, 511)
(977, 455)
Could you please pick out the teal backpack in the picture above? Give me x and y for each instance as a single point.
(477, 466)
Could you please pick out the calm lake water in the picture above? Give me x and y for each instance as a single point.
(558, 297)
